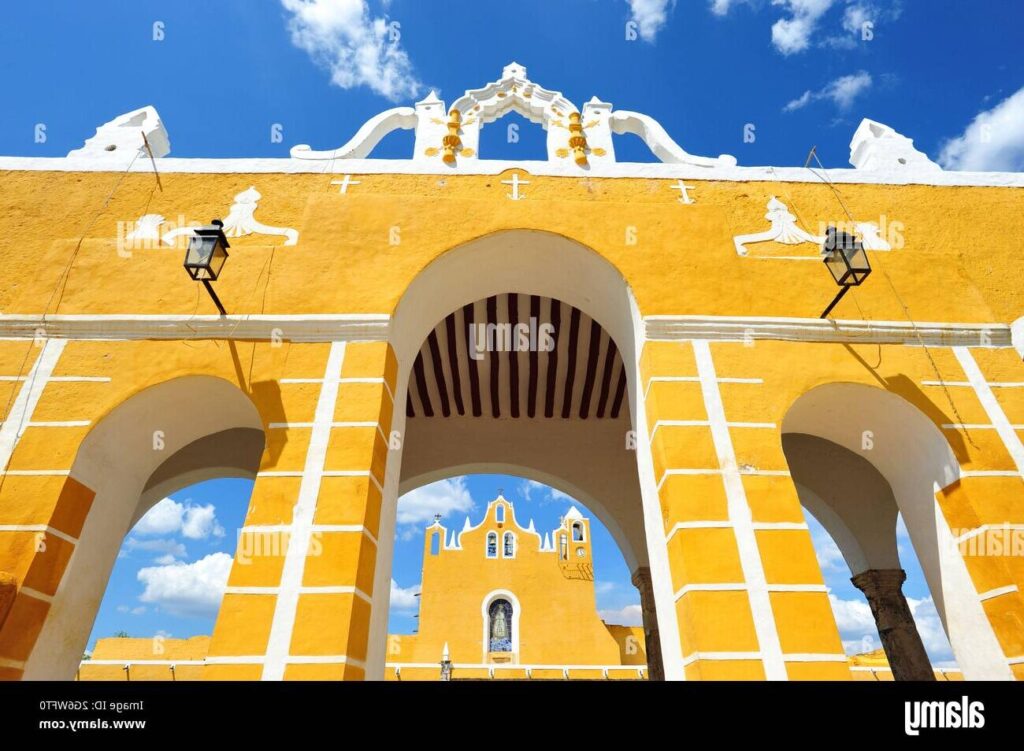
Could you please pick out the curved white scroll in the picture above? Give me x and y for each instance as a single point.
(660, 142)
(366, 138)
(783, 230)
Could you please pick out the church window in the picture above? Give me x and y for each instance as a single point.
(500, 513)
(510, 545)
(492, 545)
(499, 626)
(563, 547)
(435, 544)
(577, 532)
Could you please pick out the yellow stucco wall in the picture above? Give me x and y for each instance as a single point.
(957, 263)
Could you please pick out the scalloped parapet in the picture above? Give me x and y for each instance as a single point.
(450, 136)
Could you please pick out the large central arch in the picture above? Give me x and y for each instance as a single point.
(595, 462)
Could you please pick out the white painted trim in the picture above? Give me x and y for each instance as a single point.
(740, 516)
(997, 592)
(1019, 660)
(694, 379)
(725, 524)
(725, 587)
(25, 402)
(992, 408)
(46, 529)
(992, 384)
(989, 473)
(552, 168)
(376, 327)
(294, 328)
(87, 663)
(694, 656)
(515, 666)
(706, 423)
(986, 528)
(35, 594)
(754, 472)
(59, 424)
(741, 328)
(287, 603)
(811, 657)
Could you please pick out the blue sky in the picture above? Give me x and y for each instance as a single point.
(172, 568)
(222, 73)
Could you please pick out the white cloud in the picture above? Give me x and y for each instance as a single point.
(930, 627)
(603, 588)
(631, 615)
(170, 517)
(188, 589)
(140, 610)
(404, 598)
(799, 103)
(830, 558)
(994, 141)
(859, 633)
(792, 35)
(722, 7)
(168, 549)
(356, 47)
(650, 16)
(443, 497)
(842, 92)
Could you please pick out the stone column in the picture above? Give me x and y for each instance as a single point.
(900, 638)
(642, 581)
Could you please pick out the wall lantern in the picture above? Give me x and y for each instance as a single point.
(205, 257)
(846, 260)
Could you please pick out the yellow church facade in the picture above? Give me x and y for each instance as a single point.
(692, 397)
(499, 600)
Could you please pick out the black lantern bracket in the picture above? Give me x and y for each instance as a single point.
(206, 256)
(845, 258)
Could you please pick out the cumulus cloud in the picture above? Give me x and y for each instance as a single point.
(444, 497)
(650, 16)
(722, 7)
(404, 598)
(168, 550)
(187, 589)
(994, 141)
(842, 92)
(356, 47)
(170, 517)
(859, 633)
(631, 615)
(140, 610)
(793, 34)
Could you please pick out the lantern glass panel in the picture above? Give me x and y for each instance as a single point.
(836, 263)
(200, 252)
(217, 259)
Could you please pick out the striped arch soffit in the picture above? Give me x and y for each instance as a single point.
(489, 359)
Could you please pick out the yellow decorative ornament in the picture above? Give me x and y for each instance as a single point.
(562, 153)
(432, 151)
(599, 152)
(577, 141)
(452, 142)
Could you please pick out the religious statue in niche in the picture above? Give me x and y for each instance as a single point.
(500, 631)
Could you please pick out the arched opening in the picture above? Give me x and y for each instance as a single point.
(517, 355)
(581, 614)
(159, 441)
(499, 626)
(860, 457)
(513, 137)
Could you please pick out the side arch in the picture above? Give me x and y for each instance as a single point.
(162, 438)
(916, 461)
